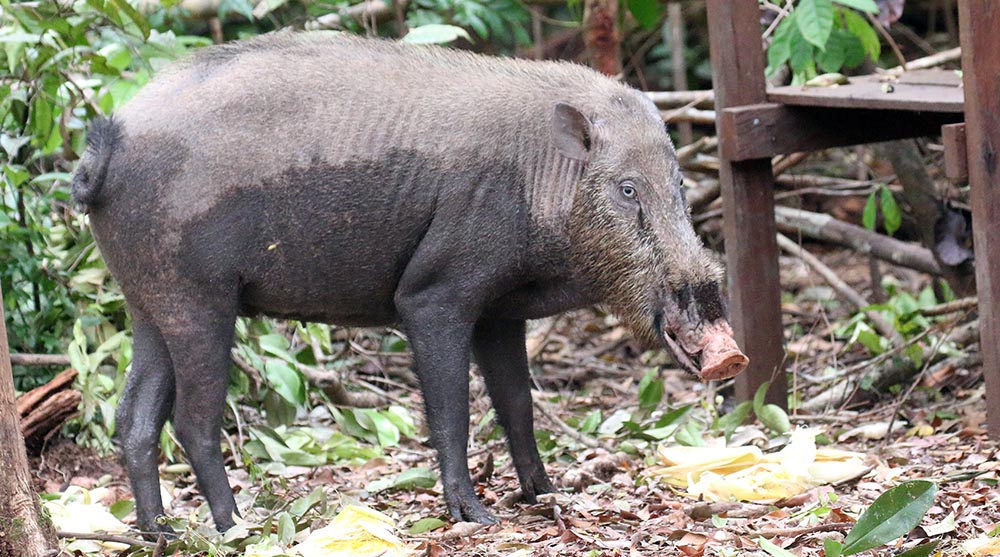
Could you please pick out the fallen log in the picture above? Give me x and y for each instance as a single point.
(827, 228)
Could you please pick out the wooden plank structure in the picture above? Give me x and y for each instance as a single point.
(755, 124)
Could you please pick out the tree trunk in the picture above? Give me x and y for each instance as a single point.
(601, 36)
(22, 531)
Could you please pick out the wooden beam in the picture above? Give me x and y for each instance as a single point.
(748, 203)
(764, 130)
(979, 21)
(956, 157)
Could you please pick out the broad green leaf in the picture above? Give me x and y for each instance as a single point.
(285, 380)
(302, 505)
(870, 214)
(891, 216)
(892, 515)
(842, 50)
(759, 396)
(426, 525)
(860, 28)
(590, 423)
(832, 548)
(772, 549)
(121, 509)
(801, 58)
(862, 5)
(286, 528)
(734, 419)
(780, 49)
(922, 550)
(133, 14)
(772, 416)
(436, 33)
(276, 345)
(646, 12)
(650, 391)
(815, 21)
(370, 418)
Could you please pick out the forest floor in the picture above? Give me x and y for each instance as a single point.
(612, 500)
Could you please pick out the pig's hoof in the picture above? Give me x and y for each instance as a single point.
(536, 485)
(469, 509)
(154, 531)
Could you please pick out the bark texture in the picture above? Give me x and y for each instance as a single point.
(22, 531)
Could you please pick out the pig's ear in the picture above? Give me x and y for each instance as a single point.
(571, 132)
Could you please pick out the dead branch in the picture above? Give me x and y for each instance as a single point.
(689, 114)
(825, 527)
(31, 399)
(700, 146)
(931, 61)
(846, 292)
(671, 99)
(54, 360)
(329, 382)
(105, 538)
(955, 306)
(699, 197)
(829, 229)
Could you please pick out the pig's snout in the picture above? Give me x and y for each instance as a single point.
(721, 358)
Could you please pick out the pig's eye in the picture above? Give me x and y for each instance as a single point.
(627, 190)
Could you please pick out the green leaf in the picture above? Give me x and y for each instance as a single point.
(860, 28)
(133, 14)
(773, 549)
(371, 419)
(870, 213)
(862, 5)
(302, 505)
(120, 509)
(922, 550)
(435, 33)
(842, 50)
(646, 12)
(286, 381)
(892, 515)
(414, 477)
(590, 423)
(832, 548)
(815, 21)
(759, 396)
(426, 525)
(772, 416)
(286, 528)
(891, 216)
(801, 57)
(650, 391)
(780, 49)
(276, 345)
(734, 419)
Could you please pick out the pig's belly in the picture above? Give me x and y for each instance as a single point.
(320, 294)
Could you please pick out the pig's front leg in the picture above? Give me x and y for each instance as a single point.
(440, 340)
(498, 345)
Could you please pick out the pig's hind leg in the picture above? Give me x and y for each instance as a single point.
(498, 346)
(199, 347)
(143, 409)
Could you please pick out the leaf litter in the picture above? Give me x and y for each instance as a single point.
(667, 478)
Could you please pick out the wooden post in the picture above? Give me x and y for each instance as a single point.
(748, 203)
(979, 21)
(22, 532)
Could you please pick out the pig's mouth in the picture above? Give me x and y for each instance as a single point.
(710, 344)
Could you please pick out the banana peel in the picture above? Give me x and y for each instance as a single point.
(748, 474)
(355, 532)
